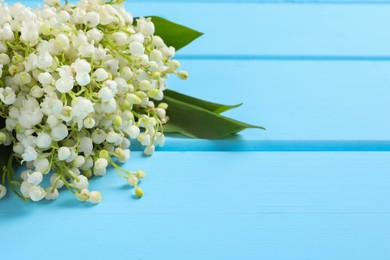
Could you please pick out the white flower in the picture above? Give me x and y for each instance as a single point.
(89, 122)
(63, 153)
(81, 65)
(30, 113)
(78, 161)
(29, 32)
(137, 49)
(34, 178)
(42, 165)
(91, 19)
(3, 191)
(7, 95)
(98, 136)
(43, 140)
(133, 131)
(86, 145)
(100, 74)
(149, 150)
(59, 132)
(62, 41)
(146, 26)
(81, 107)
(122, 154)
(95, 35)
(44, 60)
(30, 154)
(132, 181)
(36, 193)
(144, 139)
(65, 84)
(51, 194)
(145, 85)
(95, 197)
(105, 94)
(113, 137)
(56, 180)
(100, 166)
(25, 188)
(6, 33)
(81, 183)
(83, 78)
(51, 105)
(52, 2)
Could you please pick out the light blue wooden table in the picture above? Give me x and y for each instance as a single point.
(315, 185)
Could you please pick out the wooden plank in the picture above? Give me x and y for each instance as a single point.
(282, 29)
(303, 104)
(217, 206)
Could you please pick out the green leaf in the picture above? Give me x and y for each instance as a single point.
(198, 122)
(174, 34)
(210, 106)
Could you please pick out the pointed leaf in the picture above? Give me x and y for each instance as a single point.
(210, 106)
(198, 122)
(174, 34)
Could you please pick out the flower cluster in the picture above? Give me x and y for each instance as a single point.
(76, 83)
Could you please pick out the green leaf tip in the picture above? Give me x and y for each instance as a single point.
(198, 122)
(173, 34)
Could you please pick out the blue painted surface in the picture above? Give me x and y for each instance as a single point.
(316, 74)
(217, 206)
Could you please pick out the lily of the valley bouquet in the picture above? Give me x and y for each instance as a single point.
(77, 83)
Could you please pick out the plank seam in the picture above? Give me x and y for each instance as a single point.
(283, 57)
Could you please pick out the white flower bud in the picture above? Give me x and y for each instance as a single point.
(126, 73)
(4, 59)
(145, 85)
(119, 38)
(149, 150)
(37, 92)
(95, 197)
(113, 137)
(105, 94)
(146, 27)
(81, 183)
(62, 41)
(95, 35)
(100, 166)
(83, 195)
(158, 42)
(34, 178)
(63, 153)
(86, 145)
(52, 2)
(78, 161)
(137, 49)
(98, 136)
(132, 181)
(83, 78)
(36, 193)
(7, 95)
(91, 19)
(122, 154)
(89, 122)
(43, 140)
(65, 84)
(25, 188)
(30, 154)
(42, 165)
(133, 131)
(56, 180)
(59, 132)
(100, 74)
(81, 65)
(62, 16)
(51, 194)
(44, 60)
(6, 33)
(24, 174)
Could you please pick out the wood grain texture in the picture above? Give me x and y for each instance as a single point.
(217, 206)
